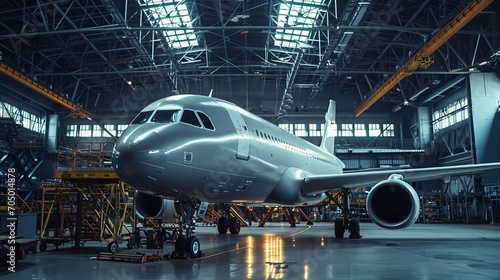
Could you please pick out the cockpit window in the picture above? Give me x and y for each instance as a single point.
(142, 117)
(189, 117)
(206, 121)
(165, 116)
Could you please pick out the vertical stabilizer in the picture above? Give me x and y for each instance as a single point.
(328, 141)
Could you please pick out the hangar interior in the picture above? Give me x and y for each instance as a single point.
(415, 82)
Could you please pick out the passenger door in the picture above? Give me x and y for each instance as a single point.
(243, 149)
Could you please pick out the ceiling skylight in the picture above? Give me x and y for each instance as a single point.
(297, 13)
(173, 14)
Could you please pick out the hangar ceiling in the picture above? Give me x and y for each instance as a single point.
(246, 50)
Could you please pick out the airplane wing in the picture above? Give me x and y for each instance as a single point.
(315, 184)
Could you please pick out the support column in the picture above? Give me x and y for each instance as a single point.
(485, 120)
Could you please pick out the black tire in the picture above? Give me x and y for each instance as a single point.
(354, 229)
(181, 244)
(234, 225)
(193, 247)
(113, 247)
(339, 228)
(222, 225)
(42, 246)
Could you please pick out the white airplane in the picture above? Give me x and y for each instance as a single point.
(195, 149)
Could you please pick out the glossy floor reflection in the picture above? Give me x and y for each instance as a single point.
(280, 252)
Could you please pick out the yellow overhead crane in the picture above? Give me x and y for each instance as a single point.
(77, 111)
(422, 58)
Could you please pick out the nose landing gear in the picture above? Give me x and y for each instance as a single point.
(187, 245)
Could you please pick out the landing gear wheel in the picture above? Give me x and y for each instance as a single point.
(43, 247)
(222, 225)
(354, 229)
(180, 244)
(194, 247)
(339, 228)
(113, 246)
(234, 225)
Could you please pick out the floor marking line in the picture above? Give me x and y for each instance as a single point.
(249, 246)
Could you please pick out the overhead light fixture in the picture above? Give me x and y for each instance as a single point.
(414, 96)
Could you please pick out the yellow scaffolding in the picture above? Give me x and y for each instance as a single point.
(84, 161)
(81, 212)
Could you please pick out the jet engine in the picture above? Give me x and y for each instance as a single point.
(393, 203)
(151, 206)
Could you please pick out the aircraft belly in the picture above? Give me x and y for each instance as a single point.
(215, 186)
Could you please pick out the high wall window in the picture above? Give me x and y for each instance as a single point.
(286, 126)
(315, 130)
(359, 130)
(373, 129)
(121, 128)
(24, 118)
(111, 129)
(453, 113)
(346, 130)
(388, 130)
(85, 131)
(71, 130)
(300, 129)
(96, 131)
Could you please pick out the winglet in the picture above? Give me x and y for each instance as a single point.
(328, 141)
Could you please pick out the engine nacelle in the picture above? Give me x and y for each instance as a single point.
(151, 206)
(393, 204)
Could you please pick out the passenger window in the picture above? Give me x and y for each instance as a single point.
(142, 117)
(206, 121)
(165, 116)
(189, 117)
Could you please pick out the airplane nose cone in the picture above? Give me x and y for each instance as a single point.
(131, 155)
(125, 164)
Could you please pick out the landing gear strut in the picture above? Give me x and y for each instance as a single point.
(187, 245)
(346, 223)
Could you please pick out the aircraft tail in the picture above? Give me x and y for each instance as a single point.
(328, 141)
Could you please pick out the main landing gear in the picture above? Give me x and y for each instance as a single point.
(225, 223)
(233, 224)
(346, 223)
(186, 245)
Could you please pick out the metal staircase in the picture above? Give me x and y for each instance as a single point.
(19, 152)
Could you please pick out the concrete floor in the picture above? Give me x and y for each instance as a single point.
(423, 251)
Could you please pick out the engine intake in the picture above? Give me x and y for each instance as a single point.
(151, 206)
(393, 204)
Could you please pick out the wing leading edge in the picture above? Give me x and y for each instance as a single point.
(315, 184)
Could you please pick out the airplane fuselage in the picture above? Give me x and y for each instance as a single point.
(215, 151)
